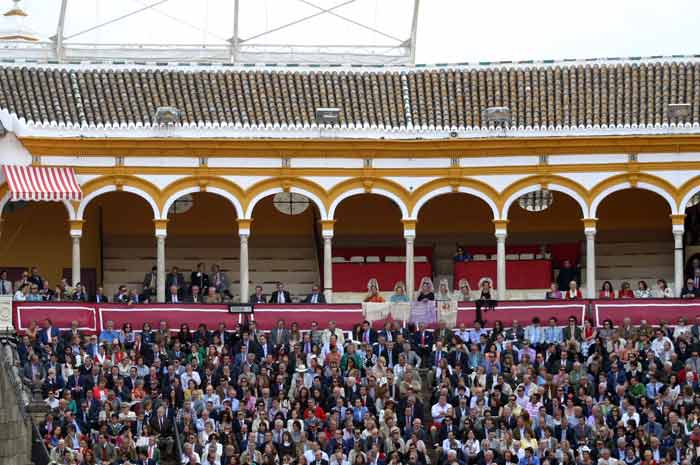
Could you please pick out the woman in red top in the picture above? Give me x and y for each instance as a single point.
(573, 293)
(625, 291)
(607, 291)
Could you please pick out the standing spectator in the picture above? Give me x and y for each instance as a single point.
(280, 296)
(5, 285)
(176, 279)
(199, 278)
(150, 283)
(220, 281)
(567, 273)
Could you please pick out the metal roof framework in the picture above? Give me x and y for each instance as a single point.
(256, 48)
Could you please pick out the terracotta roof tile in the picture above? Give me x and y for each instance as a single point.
(578, 95)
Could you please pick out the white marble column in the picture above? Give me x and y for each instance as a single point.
(590, 262)
(76, 233)
(678, 222)
(244, 234)
(328, 268)
(327, 234)
(161, 233)
(677, 262)
(75, 271)
(244, 268)
(409, 234)
(160, 267)
(501, 263)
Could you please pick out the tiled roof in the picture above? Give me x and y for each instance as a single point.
(589, 95)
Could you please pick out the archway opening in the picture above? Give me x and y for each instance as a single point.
(285, 245)
(36, 234)
(368, 243)
(634, 241)
(545, 234)
(118, 233)
(452, 221)
(202, 233)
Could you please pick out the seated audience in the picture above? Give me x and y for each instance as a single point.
(399, 293)
(443, 294)
(625, 291)
(373, 292)
(689, 290)
(573, 292)
(607, 291)
(258, 297)
(553, 293)
(464, 293)
(642, 291)
(316, 296)
(461, 255)
(662, 290)
(426, 291)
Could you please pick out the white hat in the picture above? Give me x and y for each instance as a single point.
(301, 368)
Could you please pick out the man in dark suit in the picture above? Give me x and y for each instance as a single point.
(122, 295)
(422, 340)
(100, 298)
(48, 333)
(162, 425)
(258, 297)
(367, 334)
(316, 296)
(280, 296)
(174, 296)
(150, 282)
(194, 297)
(175, 278)
(200, 278)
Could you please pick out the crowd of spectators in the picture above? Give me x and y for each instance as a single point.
(530, 394)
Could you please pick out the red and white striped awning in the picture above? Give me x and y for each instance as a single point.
(42, 183)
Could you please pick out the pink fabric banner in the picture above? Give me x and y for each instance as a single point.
(652, 310)
(61, 315)
(524, 312)
(345, 315)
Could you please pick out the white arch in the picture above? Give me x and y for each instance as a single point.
(69, 206)
(112, 188)
(385, 193)
(552, 187)
(686, 199)
(275, 190)
(626, 185)
(448, 190)
(212, 190)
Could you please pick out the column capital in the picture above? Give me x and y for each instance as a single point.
(161, 227)
(678, 219)
(589, 225)
(409, 227)
(76, 228)
(678, 223)
(327, 228)
(244, 225)
(501, 227)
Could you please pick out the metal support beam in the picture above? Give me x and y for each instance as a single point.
(59, 30)
(414, 31)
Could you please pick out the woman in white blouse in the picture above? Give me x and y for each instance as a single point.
(662, 290)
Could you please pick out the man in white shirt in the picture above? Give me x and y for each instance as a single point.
(439, 410)
(188, 375)
(332, 331)
(657, 345)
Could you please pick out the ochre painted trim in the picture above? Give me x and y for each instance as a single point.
(678, 219)
(351, 148)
